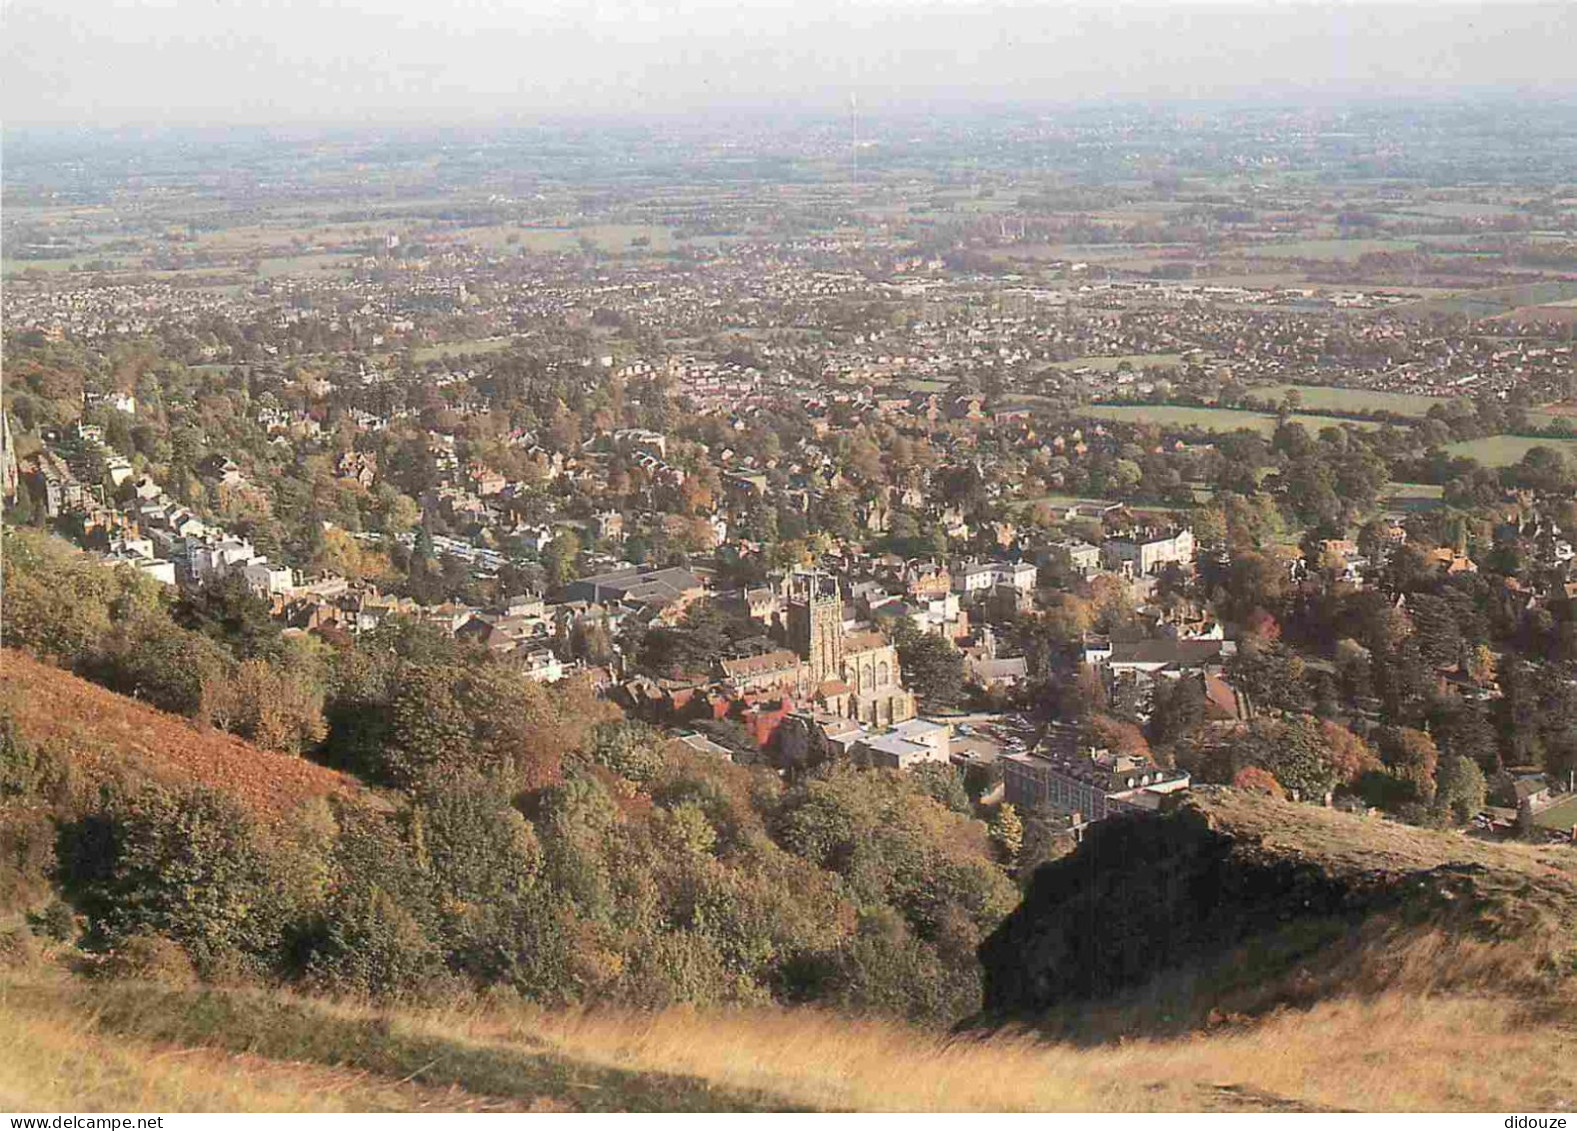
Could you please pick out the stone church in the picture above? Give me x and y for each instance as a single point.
(854, 674)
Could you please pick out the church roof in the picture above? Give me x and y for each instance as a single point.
(866, 641)
(748, 666)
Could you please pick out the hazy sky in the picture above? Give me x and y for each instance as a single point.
(113, 62)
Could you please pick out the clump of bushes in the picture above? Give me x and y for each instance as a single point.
(708, 884)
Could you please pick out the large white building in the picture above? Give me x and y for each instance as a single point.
(265, 579)
(1081, 557)
(1141, 555)
(982, 577)
(211, 561)
(906, 745)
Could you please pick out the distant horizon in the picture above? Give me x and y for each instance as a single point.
(143, 64)
(802, 114)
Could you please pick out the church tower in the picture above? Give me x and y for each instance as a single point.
(815, 627)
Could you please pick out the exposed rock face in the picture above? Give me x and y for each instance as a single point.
(1223, 877)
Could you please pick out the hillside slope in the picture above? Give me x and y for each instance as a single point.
(78, 1046)
(108, 735)
(124, 1046)
(1170, 931)
(1238, 903)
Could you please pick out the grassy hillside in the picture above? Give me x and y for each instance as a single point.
(136, 1040)
(1379, 967)
(108, 736)
(132, 1046)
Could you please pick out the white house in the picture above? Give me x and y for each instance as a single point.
(543, 666)
(119, 469)
(265, 579)
(211, 561)
(131, 548)
(981, 577)
(1146, 554)
(160, 569)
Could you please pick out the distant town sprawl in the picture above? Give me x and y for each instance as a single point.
(1252, 465)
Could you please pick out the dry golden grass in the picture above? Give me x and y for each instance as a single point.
(1346, 843)
(57, 1062)
(66, 1044)
(1392, 1052)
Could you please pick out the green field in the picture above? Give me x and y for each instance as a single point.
(471, 348)
(17, 266)
(1562, 815)
(1461, 209)
(1341, 250)
(1501, 451)
(1330, 398)
(1210, 419)
(1414, 491)
(1407, 498)
(274, 267)
(1052, 500)
(1496, 300)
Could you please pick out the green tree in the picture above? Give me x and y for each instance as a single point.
(1269, 675)
(1296, 751)
(58, 602)
(20, 512)
(150, 658)
(630, 749)
(1007, 834)
(180, 863)
(1460, 788)
(561, 556)
(932, 668)
(1177, 710)
(228, 611)
(1410, 757)
(1464, 728)
(429, 731)
(1300, 758)
(944, 784)
(375, 932)
(1435, 629)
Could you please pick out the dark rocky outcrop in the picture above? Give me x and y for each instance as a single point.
(1265, 888)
